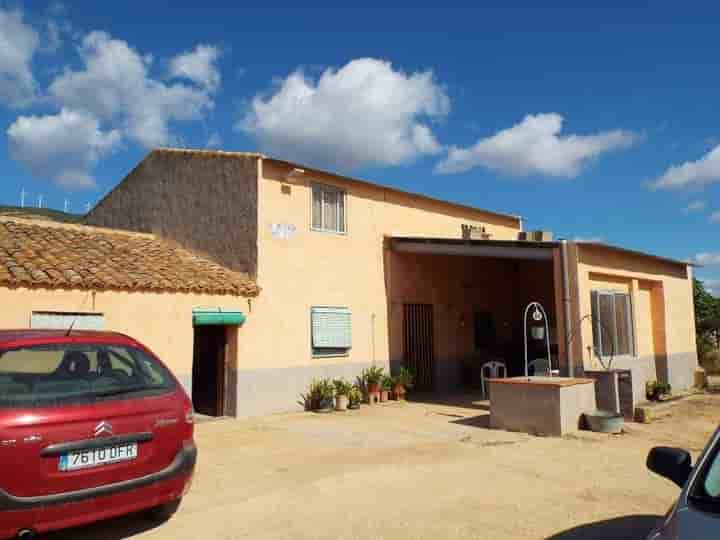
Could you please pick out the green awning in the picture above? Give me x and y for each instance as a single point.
(218, 316)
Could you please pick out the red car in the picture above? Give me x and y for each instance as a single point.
(92, 426)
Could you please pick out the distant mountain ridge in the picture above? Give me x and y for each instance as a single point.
(40, 213)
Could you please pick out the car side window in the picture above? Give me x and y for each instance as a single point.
(712, 479)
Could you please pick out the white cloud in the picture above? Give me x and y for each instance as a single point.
(63, 147)
(590, 239)
(715, 217)
(694, 206)
(712, 286)
(18, 44)
(365, 113)
(535, 146)
(705, 170)
(706, 259)
(198, 66)
(115, 86)
(214, 140)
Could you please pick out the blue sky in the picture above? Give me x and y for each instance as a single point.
(593, 123)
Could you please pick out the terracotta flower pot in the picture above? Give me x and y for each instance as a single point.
(398, 392)
(384, 395)
(373, 388)
(341, 403)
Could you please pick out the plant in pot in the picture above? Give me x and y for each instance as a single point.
(342, 394)
(354, 397)
(662, 391)
(386, 384)
(326, 392)
(311, 400)
(401, 383)
(372, 377)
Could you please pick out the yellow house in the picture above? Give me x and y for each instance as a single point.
(353, 274)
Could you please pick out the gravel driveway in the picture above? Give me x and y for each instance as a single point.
(420, 470)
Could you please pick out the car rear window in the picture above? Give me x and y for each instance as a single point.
(58, 374)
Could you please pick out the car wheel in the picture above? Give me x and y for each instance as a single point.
(164, 512)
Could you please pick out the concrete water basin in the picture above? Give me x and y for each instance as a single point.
(540, 405)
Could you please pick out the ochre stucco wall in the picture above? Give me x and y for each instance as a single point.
(311, 268)
(662, 301)
(161, 321)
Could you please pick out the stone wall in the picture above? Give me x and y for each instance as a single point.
(202, 200)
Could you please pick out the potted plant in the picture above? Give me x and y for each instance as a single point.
(658, 391)
(354, 397)
(372, 377)
(386, 384)
(401, 382)
(311, 400)
(342, 394)
(326, 392)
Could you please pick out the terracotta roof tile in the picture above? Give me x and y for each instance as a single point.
(52, 255)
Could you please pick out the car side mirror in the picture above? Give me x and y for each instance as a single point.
(675, 464)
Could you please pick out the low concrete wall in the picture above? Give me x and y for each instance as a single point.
(266, 391)
(540, 409)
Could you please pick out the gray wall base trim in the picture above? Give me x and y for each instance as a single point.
(267, 391)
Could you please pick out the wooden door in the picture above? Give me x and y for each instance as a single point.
(208, 385)
(419, 344)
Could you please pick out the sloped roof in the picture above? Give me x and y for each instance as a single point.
(59, 256)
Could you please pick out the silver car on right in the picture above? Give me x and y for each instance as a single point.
(695, 515)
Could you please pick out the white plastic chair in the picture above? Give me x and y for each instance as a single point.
(493, 368)
(542, 368)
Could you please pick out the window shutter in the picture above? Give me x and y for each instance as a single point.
(331, 328)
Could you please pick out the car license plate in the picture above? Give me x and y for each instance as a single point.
(97, 457)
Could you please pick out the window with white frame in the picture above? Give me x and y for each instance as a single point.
(328, 209)
(331, 331)
(613, 326)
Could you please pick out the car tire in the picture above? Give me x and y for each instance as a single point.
(163, 512)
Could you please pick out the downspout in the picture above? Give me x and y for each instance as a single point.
(566, 306)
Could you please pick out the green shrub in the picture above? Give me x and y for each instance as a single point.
(342, 387)
(386, 382)
(373, 375)
(405, 378)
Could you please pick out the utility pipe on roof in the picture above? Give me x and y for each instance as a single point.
(566, 305)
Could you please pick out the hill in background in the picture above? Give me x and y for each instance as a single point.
(40, 213)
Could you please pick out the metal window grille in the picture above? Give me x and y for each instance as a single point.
(613, 326)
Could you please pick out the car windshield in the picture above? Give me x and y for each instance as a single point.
(706, 488)
(58, 374)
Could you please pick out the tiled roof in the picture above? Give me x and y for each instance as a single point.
(51, 255)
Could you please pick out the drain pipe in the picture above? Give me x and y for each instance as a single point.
(566, 306)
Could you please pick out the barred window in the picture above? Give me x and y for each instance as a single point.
(613, 325)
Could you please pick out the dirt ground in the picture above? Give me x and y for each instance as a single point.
(420, 471)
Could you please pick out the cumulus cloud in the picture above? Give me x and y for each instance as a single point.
(706, 259)
(535, 146)
(115, 86)
(712, 286)
(705, 170)
(365, 113)
(694, 206)
(199, 66)
(590, 239)
(214, 140)
(18, 44)
(62, 147)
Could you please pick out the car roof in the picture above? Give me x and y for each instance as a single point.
(36, 335)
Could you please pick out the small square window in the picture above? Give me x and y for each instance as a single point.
(328, 209)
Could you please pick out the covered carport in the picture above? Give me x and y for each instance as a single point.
(455, 304)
